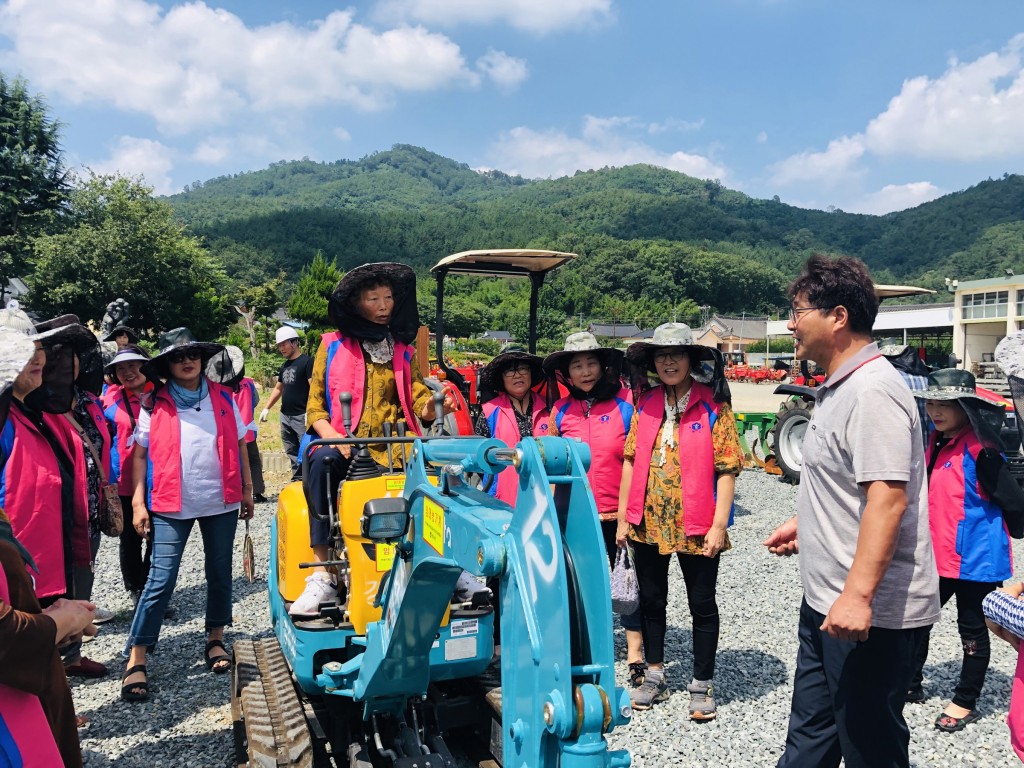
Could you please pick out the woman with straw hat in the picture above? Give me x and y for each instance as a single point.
(190, 451)
(972, 499)
(682, 457)
(516, 410)
(597, 410)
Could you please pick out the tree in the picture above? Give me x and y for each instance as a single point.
(33, 180)
(119, 241)
(309, 299)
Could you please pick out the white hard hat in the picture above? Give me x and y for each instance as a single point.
(284, 333)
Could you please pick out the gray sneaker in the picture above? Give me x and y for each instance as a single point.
(653, 690)
(702, 702)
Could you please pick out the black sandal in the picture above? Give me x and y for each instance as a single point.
(213, 661)
(950, 724)
(135, 691)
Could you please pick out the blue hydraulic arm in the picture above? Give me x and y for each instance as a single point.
(559, 697)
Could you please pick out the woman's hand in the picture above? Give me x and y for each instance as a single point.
(1003, 633)
(621, 533)
(73, 619)
(248, 508)
(140, 520)
(1014, 590)
(714, 541)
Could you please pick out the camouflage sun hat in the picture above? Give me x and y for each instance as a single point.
(641, 353)
(582, 341)
(951, 384)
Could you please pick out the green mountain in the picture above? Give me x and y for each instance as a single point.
(644, 233)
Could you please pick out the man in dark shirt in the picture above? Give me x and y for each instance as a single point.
(292, 389)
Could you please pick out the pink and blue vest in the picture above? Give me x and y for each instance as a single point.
(246, 398)
(696, 456)
(30, 493)
(604, 429)
(501, 420)
(25, 736)
(968, 532)
(95, 411)
(121, 448)
(346, 372)
(164, 459)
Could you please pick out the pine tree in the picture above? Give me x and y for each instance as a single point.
(309, 299)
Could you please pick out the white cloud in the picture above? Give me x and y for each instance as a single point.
(603, 142)
(675, 125)
(341, 134)
(194, 66)
(532, 15)
(131, 156)
(973, 111)
(506, 71)
(896, 197)
(762, 137)
(831, 167)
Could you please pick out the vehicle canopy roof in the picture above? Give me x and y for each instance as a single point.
(897, 291)
(502, 262)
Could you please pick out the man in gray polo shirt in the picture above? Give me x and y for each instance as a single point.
(866, 561)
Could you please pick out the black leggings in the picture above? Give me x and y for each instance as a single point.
(970, 621)
(701, 576)
(134, 564)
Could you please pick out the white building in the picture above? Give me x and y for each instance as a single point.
(985, 311)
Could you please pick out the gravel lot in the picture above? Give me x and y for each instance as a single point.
(187, 720)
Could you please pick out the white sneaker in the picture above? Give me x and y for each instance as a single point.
(102, 616)
(320, 588)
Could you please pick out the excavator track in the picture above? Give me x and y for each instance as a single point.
(270, 724)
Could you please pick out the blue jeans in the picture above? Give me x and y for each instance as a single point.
(170, 535)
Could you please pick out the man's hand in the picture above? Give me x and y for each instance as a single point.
(783, 541)
(264, 414)
(848, 619)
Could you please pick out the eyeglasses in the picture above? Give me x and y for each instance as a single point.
(185, 354)
(519, 370)
(669, 356)
(795, 312)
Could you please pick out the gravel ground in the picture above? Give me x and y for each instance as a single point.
(187, 720)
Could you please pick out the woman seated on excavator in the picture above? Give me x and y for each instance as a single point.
(370, 356)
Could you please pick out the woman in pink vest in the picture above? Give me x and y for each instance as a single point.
(190, 446)
(682, 457)
(515, 411)
(37, 717)
(971, 498)
(122, 403)
(597, 409)
(246, 397)
(370, 356)
(1004, 615)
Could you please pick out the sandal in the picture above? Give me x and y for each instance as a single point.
(950, 724)
(135, 691)
(637, 673)
(218, 664)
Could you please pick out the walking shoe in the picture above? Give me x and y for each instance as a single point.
(320, 588)
(259, 498)
(469, 590)
(102, 616)
(653, 690)
(86, 668)
(637, 671)
(702, 702)
(915, 695)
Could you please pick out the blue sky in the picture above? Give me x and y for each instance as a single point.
(868, 106)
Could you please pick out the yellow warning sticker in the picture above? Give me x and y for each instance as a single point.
(433, 525)
(384, 557)
(394, 483)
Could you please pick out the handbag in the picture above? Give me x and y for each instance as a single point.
(625, 589)
(110, 516)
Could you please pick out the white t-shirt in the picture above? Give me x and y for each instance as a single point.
(202, 492)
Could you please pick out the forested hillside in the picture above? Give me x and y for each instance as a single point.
(652, 242)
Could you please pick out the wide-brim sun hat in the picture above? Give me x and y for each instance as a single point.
(16, 350)
(227, 368)
(575, 343)
(125, 355)
(491, 377)
(67, 332)
(667, 335)
(951, 384)
(175, 340)
(133, 337)
(404, 319)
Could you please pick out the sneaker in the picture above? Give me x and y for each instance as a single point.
(702, 702)
(102, 616)
(637, 672)
(259, 498)
(653, 690)
(320, 588)
(915, 695)
(469, 590)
